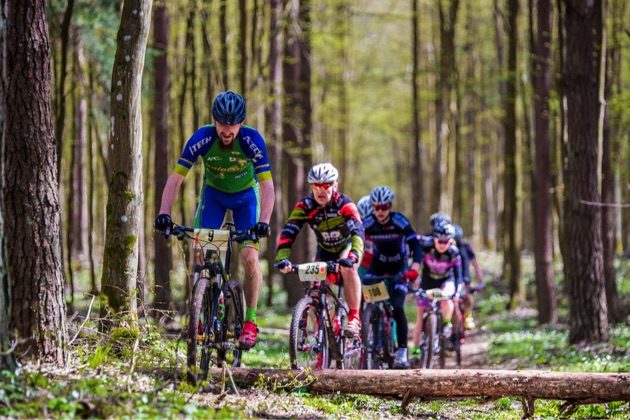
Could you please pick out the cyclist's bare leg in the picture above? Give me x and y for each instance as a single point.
(447, 308)
(351, 286)
(468, 304)
(253, 275)
(417, 329)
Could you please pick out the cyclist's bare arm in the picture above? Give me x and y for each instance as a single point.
(171, 189)
(478, 272)
(267, 199)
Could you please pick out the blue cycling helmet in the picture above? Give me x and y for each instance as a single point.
(443, 230)
(365, 206)
(229, 108)
(437, 218)
(382, 195)
(459, 232)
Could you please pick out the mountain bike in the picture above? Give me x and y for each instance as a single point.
(377, 323)
(433, 341)
(217, 310)
(317, 335)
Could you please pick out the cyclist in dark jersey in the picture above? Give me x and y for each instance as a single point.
(390, 233)
(237, 177)
(468, 257)
(365, 209)
(441, 269)
(336, 222)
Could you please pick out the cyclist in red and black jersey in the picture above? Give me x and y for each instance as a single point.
(336, 222)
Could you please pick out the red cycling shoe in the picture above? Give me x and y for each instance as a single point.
(247, 340)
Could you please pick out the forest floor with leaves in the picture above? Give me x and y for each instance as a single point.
(139, 373)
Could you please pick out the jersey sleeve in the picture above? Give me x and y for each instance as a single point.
(411, 237)
(196, 146)
(353, 220)
(290, 231)
(256, 149)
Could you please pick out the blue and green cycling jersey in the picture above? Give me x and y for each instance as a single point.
(231, 168)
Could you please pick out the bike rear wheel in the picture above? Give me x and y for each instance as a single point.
(429, 330)
(232, 324)
(199, 332)
(370, 335)
(306, 348)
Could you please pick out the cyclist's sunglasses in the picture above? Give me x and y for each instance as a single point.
(443, 241)
(322, 186)
(381, 207)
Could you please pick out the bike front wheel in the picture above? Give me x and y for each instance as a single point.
(199, 332)
(308, 338)
(429, 330)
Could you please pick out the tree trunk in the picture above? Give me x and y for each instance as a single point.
(242, 46)
(297, 124)
(583, 266)
(543, 229)
(7, 358)
(60, 112)
(417, 186)
(163, 260)
(447, 383)
(446, 75)
(512, 197)
(124, 204)
(31, 194)
(273, 116)
(92, 138)
(224, 44)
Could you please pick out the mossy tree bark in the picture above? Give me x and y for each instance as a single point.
(124, 203)
(31, 195)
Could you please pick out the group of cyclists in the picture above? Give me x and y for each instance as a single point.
(367, 239)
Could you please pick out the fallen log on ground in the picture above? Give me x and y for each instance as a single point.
(529, 384)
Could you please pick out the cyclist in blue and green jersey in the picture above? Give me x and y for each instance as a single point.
(336, 222)
(237, 177)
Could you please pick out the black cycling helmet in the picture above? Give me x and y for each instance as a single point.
(229, 108)
(443, 230)
(459, 232)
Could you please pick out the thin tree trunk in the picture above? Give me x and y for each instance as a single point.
(297, 124)
(242, 43)
(274, 124)
(512, 197)
(583, 266)
(31, 188)
(224, 44)
(92, 137)
(419, 216)
(543, 228)
(120, 262)
(163, 260)
(60, 117)
(7, 358)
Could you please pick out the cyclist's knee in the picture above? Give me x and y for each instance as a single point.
(348, 273)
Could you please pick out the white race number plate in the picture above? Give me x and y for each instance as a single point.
(312, 272)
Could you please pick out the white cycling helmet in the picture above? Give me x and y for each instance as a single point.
(365, 206)
(382, 195)
(321, 173)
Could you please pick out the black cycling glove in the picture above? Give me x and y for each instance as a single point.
(262, 230)
(164, 224)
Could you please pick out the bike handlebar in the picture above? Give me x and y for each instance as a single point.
(181, 232)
